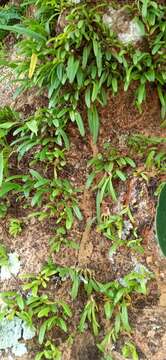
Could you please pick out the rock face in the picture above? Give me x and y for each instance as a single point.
(12, 268)
(128, 31)
(11, 331)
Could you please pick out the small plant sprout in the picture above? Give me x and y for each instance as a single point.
(50, 352)
(107, 168)
(3, 256)
(121, 230)
(129, 351)
(15, 227)
(89, 313)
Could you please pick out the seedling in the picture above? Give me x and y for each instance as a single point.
(3, 256)
(55, 313)
(153, 153)
(61, 239)
(120, 229)
(106, 169)
(129, 351)
(40, 280)
(15, 227)
(106, 346)
(59, 193)
(89, 313)
(50, 352)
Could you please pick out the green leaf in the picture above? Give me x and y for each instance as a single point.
(44, 312)
(78, 212)
(1, 167)
(98, 215)
(88, 97)
(75, 286)
(60, 68)
(141, 25)
(156, 48)
(39, 356)
(7, 186)
(161, 220)
(35, 174)
(61, 323)
(23, 31)
(119, 295)
(93, 120)
(141, 93)
(37, 198)
(104, 189)
(150, 75)
(145, 8)
(95, 91)
(33, 126)
(162, 98)
(150, 159)
(80, 123)
(7, 125)
(72, 67)
(108, 309)
(66, 308)
(121, 175)
(42, 332)
(20, 302)
(124, 317)
(69, 218)
(130, 162)
(90, 180)
(85, 56)
(112, 190)
(95, 47)
(33, 64)
(82, 321)
(114, 85)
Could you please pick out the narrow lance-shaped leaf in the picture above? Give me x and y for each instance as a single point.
(161, 221)
(1, 167)
(93, 120)
(23, 31)
(33, 64)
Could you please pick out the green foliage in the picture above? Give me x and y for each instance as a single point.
(15, 227)
(160, 220)
(152, 151)
(50, 352)
(121, 230)
(39, 310)
(61, 202)
(3, 256)
(44, 134)
(8, 16)
(8, 120)
(129, 351)
(111, 165)
(89, 313)
(60, 239)
(67, 50)
(46, 128)
(140, 143)
(106, 345)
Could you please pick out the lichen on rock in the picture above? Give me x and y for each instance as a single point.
(12, 268)
(11, 332)
(128, 30)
